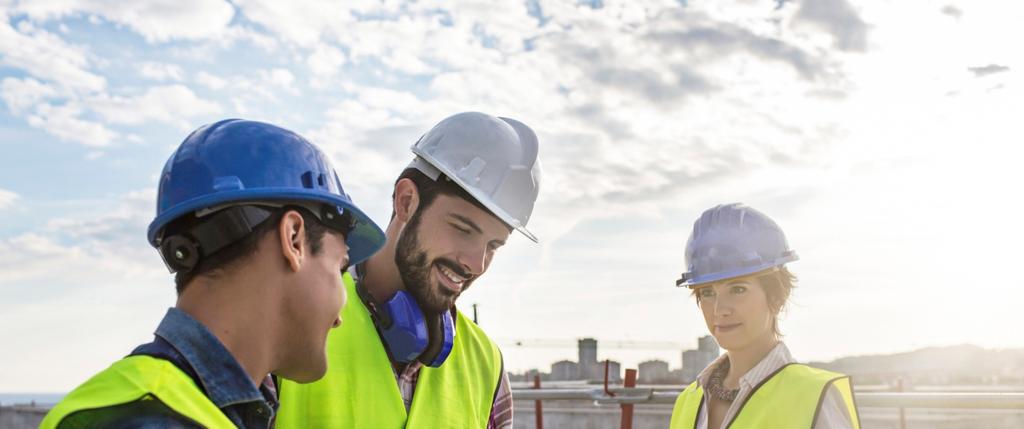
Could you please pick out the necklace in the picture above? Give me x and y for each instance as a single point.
(715, 384)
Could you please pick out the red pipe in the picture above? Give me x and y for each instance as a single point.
(538, 411)
(606, 391)
(627, 409)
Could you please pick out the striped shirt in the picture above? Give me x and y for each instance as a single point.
(501, 408)
(833, 410)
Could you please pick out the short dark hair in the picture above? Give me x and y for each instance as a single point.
(245, 247)
(429, 189)
(778, 286)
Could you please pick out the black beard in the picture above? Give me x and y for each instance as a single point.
(414, 269)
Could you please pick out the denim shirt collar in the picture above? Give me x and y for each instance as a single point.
(222, 377)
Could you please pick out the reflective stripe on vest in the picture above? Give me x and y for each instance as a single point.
(134, 378)
(360, 390)
(791, 398)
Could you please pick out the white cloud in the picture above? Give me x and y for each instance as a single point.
(171, 104)
(210, 81)
(301, 22)
(47, 57)
(253, 89)
(118, 233)
(278, 77)
(325, 60)
(64, 122)
(118, 287)
(119, 226)
(838, 18)
(22, 94)
(157, 21)
(161, 71)
(7, 198)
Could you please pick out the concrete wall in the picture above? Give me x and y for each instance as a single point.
(586, 415)
(21, 417)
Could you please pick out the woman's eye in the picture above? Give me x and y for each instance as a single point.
(707, 293)
(461, 229)
(739, 289)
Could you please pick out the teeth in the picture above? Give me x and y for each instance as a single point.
(451, 276)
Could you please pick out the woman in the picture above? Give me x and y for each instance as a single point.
(736, 269)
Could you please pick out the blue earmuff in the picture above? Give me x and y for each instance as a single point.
(409, 335)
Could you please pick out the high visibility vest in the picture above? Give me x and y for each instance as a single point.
(140, 378)
(360, 390)
(791, 398)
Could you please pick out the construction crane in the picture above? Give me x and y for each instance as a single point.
(552, 343)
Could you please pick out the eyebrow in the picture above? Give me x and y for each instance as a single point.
(473, 226)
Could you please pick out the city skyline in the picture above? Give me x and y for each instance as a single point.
(965, 365)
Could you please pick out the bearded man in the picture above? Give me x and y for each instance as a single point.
(407, 357)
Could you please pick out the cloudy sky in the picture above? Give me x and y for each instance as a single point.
(879, 134)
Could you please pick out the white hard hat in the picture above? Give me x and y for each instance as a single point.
(493, 159)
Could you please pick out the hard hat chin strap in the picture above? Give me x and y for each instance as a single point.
(183, 251)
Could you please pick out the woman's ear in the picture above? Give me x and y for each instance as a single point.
(406, 201)
(291, 232)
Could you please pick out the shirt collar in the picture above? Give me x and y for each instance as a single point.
(222, 377)
(705, 374)
(778, 357)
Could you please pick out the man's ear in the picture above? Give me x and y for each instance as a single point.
(292, 236)
(406, 201)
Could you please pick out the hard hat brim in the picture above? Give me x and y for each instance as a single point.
(738, 272)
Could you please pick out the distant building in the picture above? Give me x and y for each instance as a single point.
(564, 370)
(708, 344)
(587, 369)
(676, 376)
(528, 376)
(614, 371)
(588, 351)
(694, 361)
(653, 371)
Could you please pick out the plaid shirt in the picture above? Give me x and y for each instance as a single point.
(501, 409)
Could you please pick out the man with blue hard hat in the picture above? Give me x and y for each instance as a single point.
(407, 358)
(254, 223)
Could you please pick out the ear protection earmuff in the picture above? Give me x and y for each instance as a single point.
(407, 333)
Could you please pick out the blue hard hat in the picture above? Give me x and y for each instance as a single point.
(733, 240)
(236, 161)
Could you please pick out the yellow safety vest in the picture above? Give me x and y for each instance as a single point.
(360, 390)
(791, 398)
(140, 378)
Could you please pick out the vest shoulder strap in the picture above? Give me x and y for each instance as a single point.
(137, 377)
